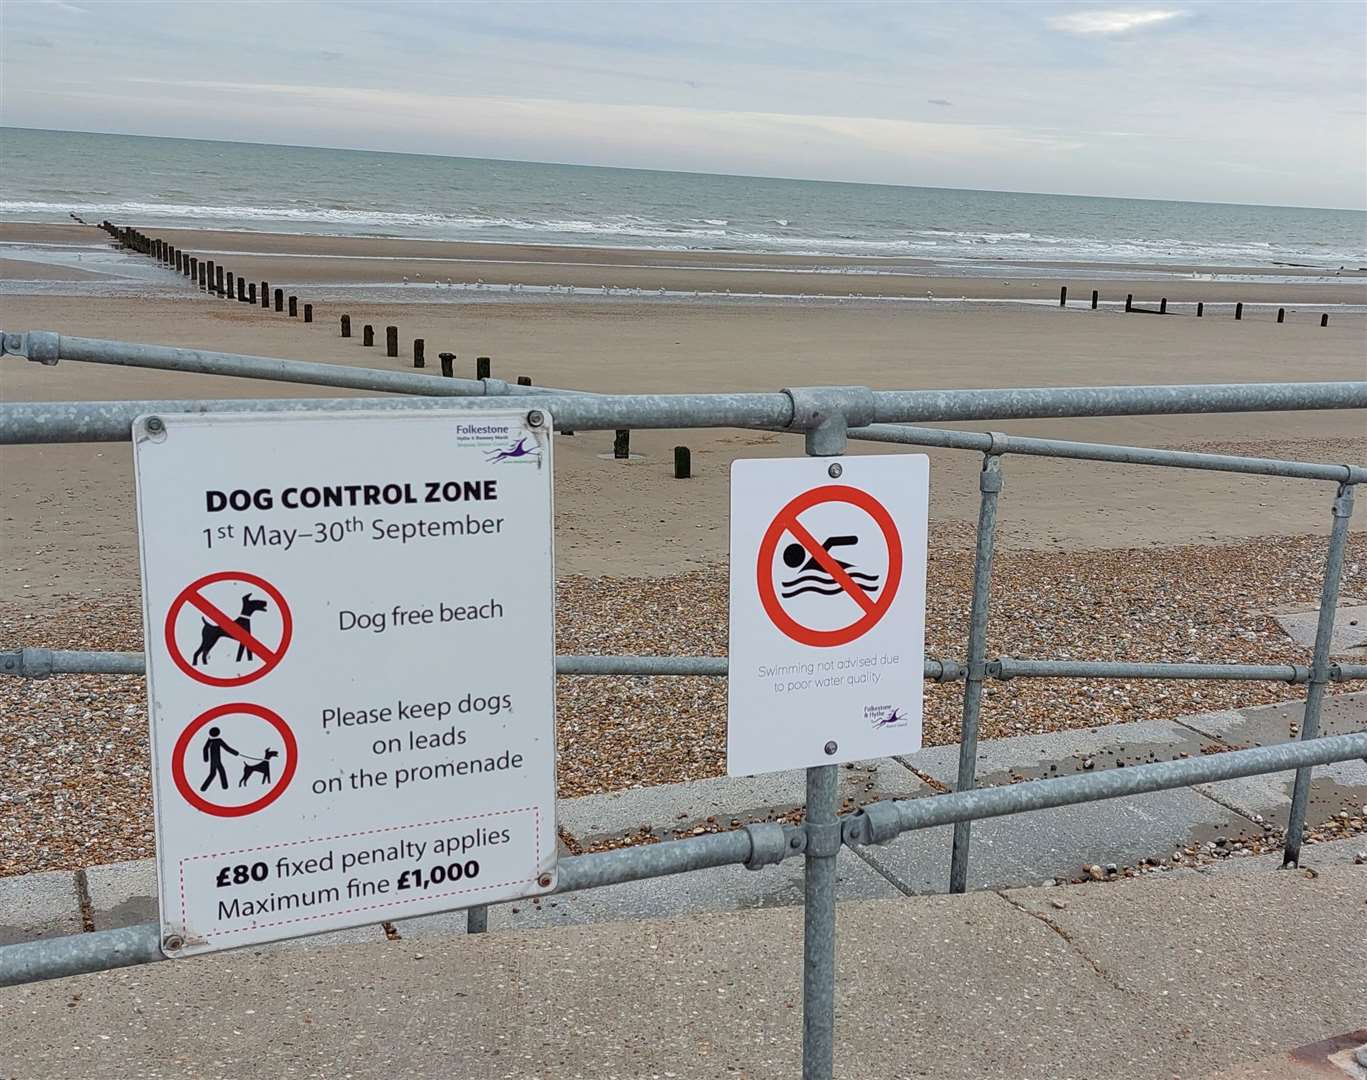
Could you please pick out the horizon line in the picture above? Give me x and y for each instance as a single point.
(683, 172)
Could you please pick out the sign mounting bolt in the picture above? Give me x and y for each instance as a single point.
(155, 425)
(536, 418)
(835, 470)
(831, 747)
(172, 942)
(544, 881)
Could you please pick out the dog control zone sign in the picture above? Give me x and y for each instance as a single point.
(350, 667)
(828, 596)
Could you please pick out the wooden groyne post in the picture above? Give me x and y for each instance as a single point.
(346, 326)
(308, 313)
(419, 360)
(294, 307)
(279, 300)
(391, 341)
(448, 364)
(483, 367)
(1238, 311)
(683, 463)
(1095, 297)
(367, 335)
(621, 444)
(1063, 296)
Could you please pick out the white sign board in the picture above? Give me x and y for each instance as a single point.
(828, 596)
(350, 667)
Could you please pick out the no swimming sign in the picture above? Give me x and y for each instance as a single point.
(827, 634)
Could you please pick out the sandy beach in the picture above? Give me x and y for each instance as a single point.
(1092, 553)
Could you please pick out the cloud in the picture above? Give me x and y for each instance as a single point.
(939, 101)
(1111, 21)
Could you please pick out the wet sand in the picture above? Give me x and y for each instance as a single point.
(293, 262)
(69, 527)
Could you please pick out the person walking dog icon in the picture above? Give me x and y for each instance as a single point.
(213, 755)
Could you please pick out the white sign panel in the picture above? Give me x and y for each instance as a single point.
(828, 596)
(350, 667)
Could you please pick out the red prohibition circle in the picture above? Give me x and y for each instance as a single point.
(195, 799)
(768, 548)
(183, 598)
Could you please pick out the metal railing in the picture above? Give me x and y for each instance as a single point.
(826, 417)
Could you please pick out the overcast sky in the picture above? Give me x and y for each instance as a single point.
(1232, 102)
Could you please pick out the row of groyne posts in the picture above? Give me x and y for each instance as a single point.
(1162, 308)
(214, 279)
(210, 276)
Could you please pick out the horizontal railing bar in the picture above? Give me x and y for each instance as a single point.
(78, 954)
(1009, 668)
(917, 406)
(997, 443)
(39, 663)
(48, 348)
(34, 663)
(112, 421)
(1117, 783)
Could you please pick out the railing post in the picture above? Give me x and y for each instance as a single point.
(818, 923)
(989, 483)
(819, 872)
(1319, 669)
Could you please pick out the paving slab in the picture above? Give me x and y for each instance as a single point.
(1047, 845)
(722, 888)
(1140, 980)
(1028, 849)
(1334, 788)
(1349, 638)
(1029, 757)
(668, 807)
(34, 906)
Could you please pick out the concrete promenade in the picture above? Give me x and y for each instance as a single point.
(1181, 975)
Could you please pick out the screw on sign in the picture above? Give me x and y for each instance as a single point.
(234, 760)
(825, 569)
(229, 628)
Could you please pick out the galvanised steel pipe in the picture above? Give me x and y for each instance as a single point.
(1319, 666)
(39, 663)
(883, 821)
(47, 348)
(990, 485)
(916, 406)
(112, 421)
(31, 663)
(1009, 668)
(997, 443)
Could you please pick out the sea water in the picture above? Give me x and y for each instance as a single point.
(46, 175)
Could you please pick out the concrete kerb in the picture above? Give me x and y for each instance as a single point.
(34, 906)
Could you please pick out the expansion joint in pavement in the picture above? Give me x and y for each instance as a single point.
(882, 871)
(1092, 963)
(83, 901)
